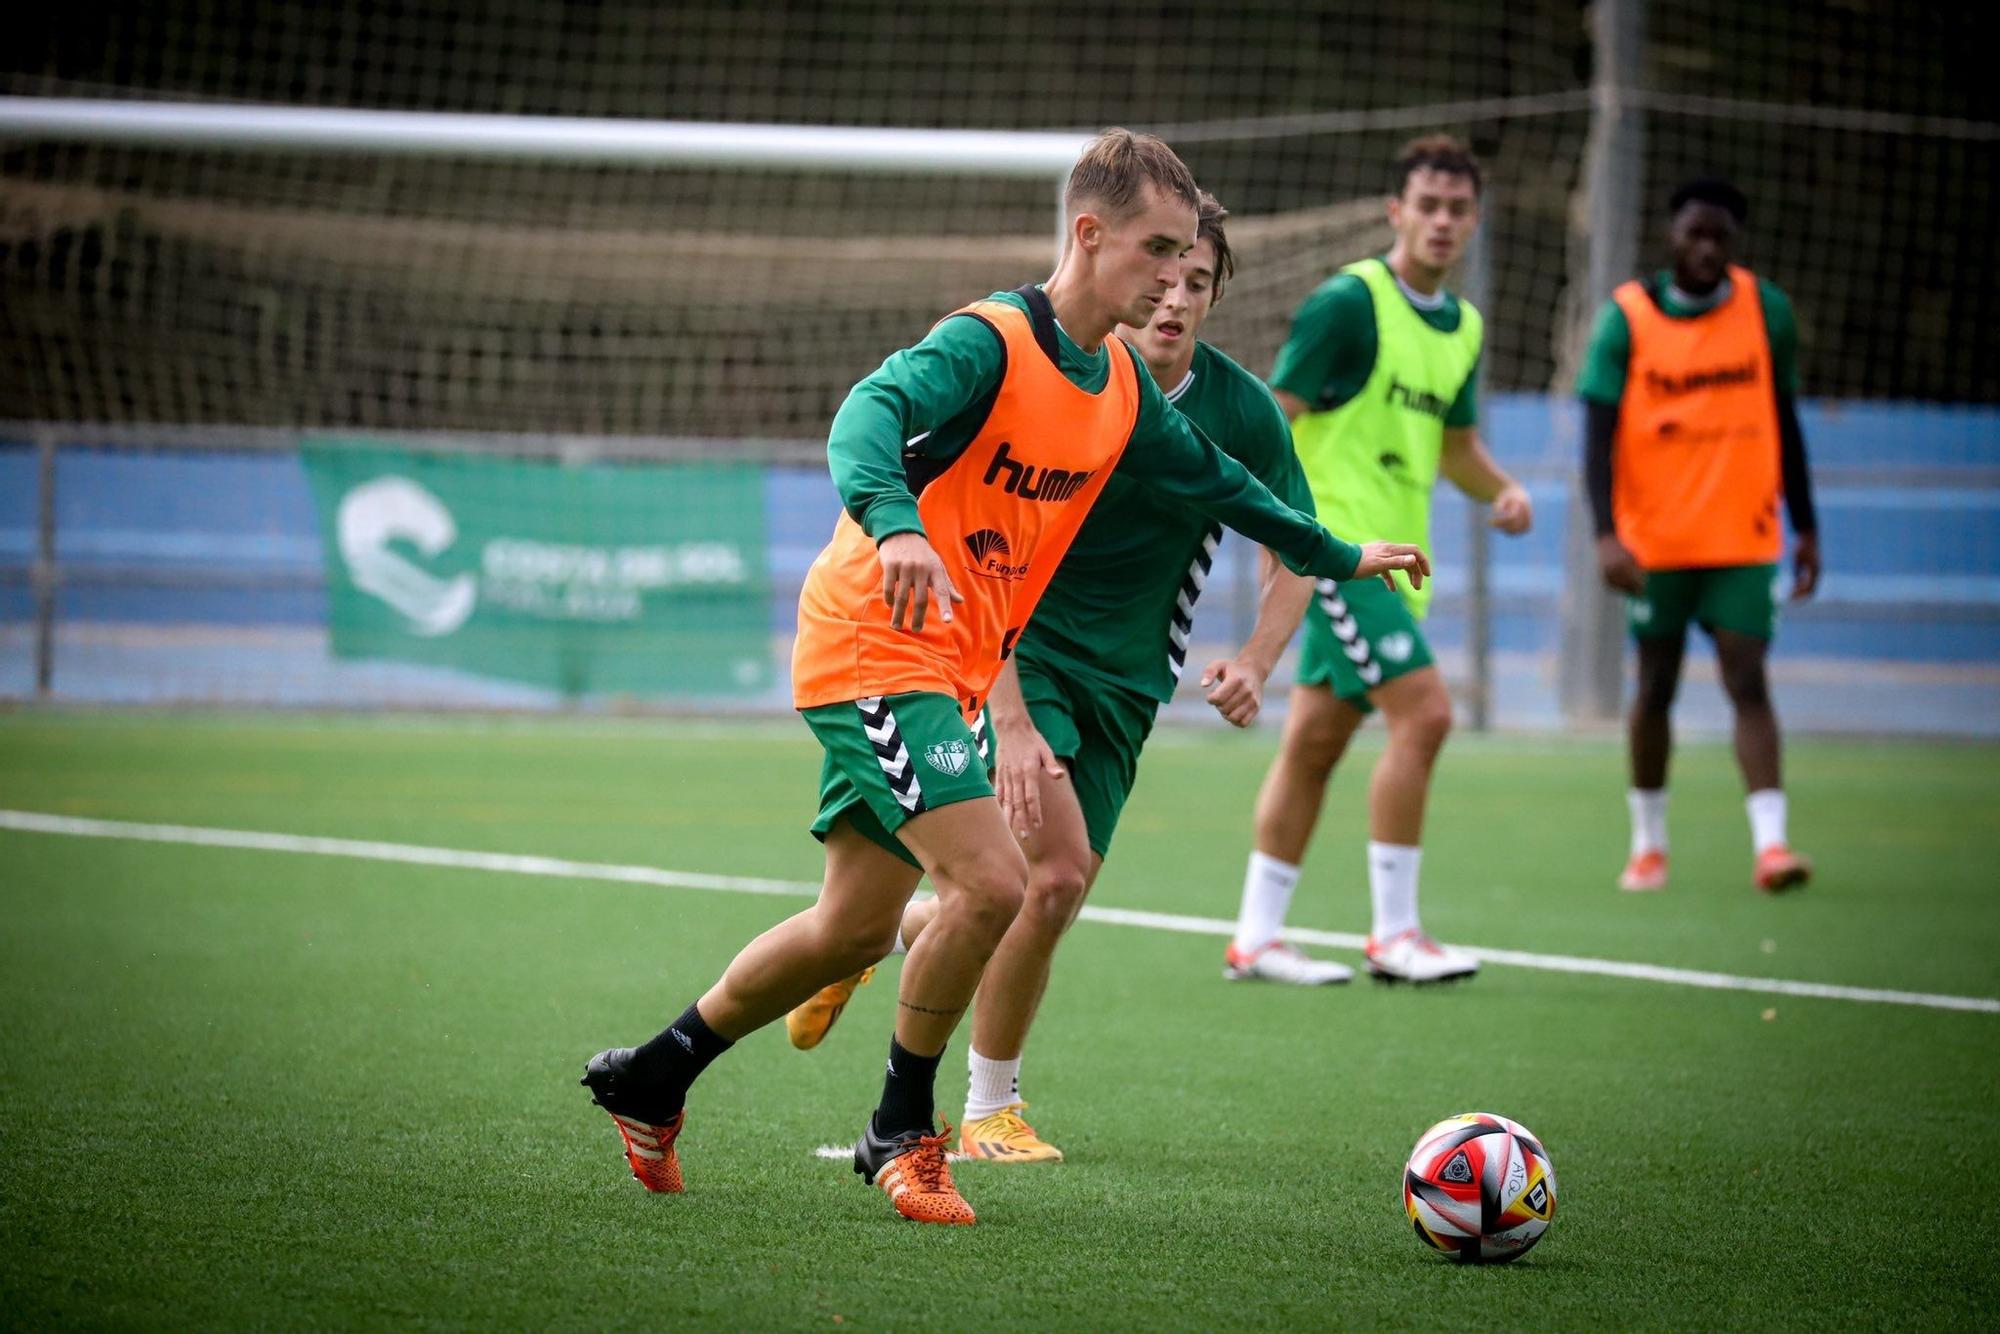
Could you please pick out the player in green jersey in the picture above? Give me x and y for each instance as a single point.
(968, 428)
(1106, 647)
(1378, 379)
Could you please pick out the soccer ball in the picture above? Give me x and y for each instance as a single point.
(1480, 1188)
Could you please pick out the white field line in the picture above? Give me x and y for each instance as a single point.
(844, 1153)
(410, 854)
(31, 822)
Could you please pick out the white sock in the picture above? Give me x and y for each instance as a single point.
(1267, 895)
(995, 1085)
(1767, 818)
(1392, 884)
(1649, 819)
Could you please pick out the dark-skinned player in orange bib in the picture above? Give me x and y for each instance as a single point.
(1691, 387)
(965, 465)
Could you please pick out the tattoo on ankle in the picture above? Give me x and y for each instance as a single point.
(925, 1009)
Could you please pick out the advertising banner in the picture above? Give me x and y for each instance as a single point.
(599, 579)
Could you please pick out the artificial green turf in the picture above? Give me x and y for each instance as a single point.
(259, 1088)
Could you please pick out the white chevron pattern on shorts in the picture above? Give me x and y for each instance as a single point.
(878, 720)
(1348, 632)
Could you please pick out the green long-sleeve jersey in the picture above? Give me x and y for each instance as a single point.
(1121, 607)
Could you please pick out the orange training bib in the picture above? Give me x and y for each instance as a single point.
(1695, 474)
(1001, 515)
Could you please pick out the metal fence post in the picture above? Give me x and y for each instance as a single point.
(1478, 279)
(1591, 677)
(43, 576)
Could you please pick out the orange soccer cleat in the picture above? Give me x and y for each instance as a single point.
(1646, 871)
(1780, 869)
(912, 1172)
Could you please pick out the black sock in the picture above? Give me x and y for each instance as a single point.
(909, 1102)
(663, 1068)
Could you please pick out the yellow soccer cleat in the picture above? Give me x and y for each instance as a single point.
(1005, 1138)
(808, 1025)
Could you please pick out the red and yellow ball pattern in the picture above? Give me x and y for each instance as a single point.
(1479, 1188)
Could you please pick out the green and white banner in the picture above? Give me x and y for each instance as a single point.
(606, 578)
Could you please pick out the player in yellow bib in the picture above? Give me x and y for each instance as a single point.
(1378, 379)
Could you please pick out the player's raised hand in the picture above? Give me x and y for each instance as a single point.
(1618, 567)
(1235, 688)
(1513, 513)
(1805, 566)
(1380, 560)
(1025, 759)
(913, 574)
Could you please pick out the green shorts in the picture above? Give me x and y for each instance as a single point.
(1360, 635)
(1095, 728)
(894, 756)
(1742, 598)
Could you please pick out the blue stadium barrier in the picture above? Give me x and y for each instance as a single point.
(1908, 494)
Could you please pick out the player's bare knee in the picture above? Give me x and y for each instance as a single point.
(1272, 826)
(1055, 892)
(986, 889)
(1312, 749)
(1654, 699)
(1434, 723)
(876, 948)
(850, 943)
(1747, 688)
(1426, 723)
(991, 911)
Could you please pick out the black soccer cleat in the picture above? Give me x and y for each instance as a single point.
(649, 1140)
(608, 1076)
(872, 1152)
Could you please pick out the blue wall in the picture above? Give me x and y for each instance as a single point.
(248, 520)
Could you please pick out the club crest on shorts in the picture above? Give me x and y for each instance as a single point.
(948, 757)
(1397, 646)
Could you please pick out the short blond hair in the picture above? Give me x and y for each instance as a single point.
(1111, 175)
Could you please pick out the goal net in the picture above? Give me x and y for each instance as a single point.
(226, 320)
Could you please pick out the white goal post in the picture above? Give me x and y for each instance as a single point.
(1026, 153)
(579, 139)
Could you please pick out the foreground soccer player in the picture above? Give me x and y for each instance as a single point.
(1691, 386)
(1379, 380)
(974, 454)
(1073, 708)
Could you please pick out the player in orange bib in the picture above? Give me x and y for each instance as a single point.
(964, 465)
(1691, 386)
